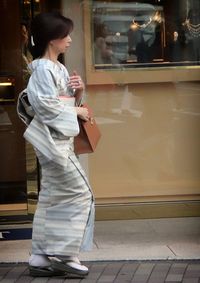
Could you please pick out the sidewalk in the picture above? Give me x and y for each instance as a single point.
(138, 251)
(149, 239)
(114, 272)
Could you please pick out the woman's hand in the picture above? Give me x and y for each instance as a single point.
(83, 113)
(76, 82)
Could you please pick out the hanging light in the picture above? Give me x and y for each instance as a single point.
(134, 25)
(157, 17)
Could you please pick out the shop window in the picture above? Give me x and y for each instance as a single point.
(145, 33)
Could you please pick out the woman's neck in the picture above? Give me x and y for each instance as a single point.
(50, 55)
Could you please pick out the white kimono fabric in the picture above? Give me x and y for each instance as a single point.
(64, 219)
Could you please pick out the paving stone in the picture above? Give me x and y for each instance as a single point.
(114, 267)
(192, 274)
(143, 272)
(39, 280)
(92, 276)
(176, 272)
(145, 268)
(193, 271)
(98, 266)
(3, 271)
(140, 279)
(178, 268)
(126, 273)
(72, 281)
(115, 272)
(129, 267)
(75, 279)
(193, 267)
(157, 280)
(159, 272)
(162, 266)
(174, 278)
(125, 279)
(179, 265)
(190, 280)
(96, 269)
(110, 272)
(14, 273)
(57, 280)
(24, 279)
(158, 276)
(107, 278)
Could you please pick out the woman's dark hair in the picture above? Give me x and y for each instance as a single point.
(46, 27)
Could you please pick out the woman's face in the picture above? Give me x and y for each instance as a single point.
(61, 45)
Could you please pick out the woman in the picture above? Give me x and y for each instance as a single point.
(63, 221)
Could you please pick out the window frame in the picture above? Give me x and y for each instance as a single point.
(121, 75)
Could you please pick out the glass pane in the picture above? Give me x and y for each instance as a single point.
(18, 163)
(145, 33)
(149, 148)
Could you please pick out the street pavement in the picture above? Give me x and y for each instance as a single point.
(141, 251)
(116, 272)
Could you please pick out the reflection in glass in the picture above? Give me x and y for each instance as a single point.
(7, 88)
(154, 33)
(192, 34)
(26, 55)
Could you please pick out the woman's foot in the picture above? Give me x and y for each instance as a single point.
(41, 266)
(70, 265)
(39, 260)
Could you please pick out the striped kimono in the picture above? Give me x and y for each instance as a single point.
(64, 219)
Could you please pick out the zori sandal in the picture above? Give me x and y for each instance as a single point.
(44, 271)
(72, 265)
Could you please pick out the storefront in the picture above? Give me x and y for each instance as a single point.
(140, 61)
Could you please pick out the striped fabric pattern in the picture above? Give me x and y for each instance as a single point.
(54, 117)
(63, 222)
(64, 218)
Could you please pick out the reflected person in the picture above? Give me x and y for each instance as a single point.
(102, 48)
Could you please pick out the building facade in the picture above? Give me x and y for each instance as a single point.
(140, 63)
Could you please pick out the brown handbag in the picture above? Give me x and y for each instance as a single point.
(89, 135)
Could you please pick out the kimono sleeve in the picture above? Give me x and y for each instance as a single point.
(44, 98)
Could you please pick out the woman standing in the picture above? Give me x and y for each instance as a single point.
(64, 218)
